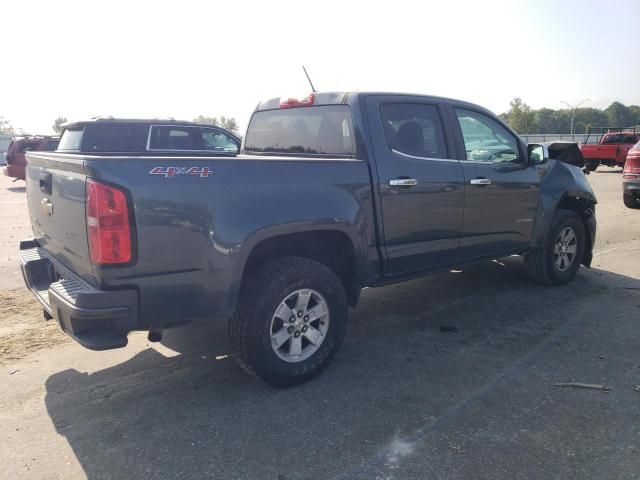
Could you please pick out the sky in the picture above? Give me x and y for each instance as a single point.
(80, 59)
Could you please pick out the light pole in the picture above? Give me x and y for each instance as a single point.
(573, 108)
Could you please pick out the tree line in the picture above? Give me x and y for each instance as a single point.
(525, 120)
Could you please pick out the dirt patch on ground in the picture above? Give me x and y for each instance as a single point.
(23, 329)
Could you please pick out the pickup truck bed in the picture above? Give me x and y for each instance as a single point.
(331, 194)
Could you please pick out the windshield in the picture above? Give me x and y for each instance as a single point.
(307, 130)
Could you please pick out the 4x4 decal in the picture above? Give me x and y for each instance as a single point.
(169, 172)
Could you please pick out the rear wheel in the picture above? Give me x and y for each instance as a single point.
(591, 165)
(558, 260)
(631, 201)
(290, 320)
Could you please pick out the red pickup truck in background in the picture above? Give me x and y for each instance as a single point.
(16, 160)
(611, 149)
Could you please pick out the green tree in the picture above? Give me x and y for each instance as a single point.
(618, 115)
(207, 120)
(547, 121)
(57, 124)
(520, 117)
(228, 123)
(585, 118)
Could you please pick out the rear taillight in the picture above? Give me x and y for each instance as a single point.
(108, 228)
(630, 177)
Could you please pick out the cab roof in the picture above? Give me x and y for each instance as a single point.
(337, 98)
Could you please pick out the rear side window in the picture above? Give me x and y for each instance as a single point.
(413, 129)
(28, 147)
(167, 137)
(70, 140)
(114, 137)
(306, 130)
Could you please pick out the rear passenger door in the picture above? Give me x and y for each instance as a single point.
(501, 187)
(420, 183)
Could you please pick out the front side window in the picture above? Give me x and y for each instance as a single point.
(166, 137)
(306, 130)
(413, 129)
(485, 140)
(217, 141)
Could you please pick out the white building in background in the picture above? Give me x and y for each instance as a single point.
(5, 140)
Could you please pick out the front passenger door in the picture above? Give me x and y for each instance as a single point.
(501, 188)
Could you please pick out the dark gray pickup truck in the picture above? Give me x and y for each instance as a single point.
(330, 194)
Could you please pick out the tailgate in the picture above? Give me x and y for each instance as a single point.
(56, 197)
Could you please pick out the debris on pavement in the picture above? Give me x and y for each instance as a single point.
(591, 386)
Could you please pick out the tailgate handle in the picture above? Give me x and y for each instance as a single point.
(45, 182)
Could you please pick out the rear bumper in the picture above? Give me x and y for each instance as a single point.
(14, 171)
(97, 319)
(630, 187)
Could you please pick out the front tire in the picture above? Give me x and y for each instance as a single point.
(557, 262)
(290, 320)
(591, 165)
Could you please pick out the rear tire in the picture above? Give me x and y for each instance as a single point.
(591, 165)
(631, 201)
(558, 260)
(267, 314)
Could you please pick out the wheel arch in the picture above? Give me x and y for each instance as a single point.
(334, 248)
(581, 203)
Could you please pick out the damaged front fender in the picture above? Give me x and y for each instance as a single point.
(564, 186)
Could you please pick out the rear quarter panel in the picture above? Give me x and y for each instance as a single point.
(194, 234)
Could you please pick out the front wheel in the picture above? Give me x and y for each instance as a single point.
(558, 260)
(591, 165)
(290, 320)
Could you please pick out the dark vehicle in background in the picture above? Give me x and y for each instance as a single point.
(611, 149)
(631, 178)
(108, 135)
(331, 194)
(15, 158)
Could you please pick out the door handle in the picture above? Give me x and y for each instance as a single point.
(480, 181)
(403, 182)
(47, 206)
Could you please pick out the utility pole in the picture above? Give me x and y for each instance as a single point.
(573, 109)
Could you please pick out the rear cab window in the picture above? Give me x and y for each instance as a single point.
(325, 130)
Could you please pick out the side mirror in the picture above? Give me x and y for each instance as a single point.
(537, 154)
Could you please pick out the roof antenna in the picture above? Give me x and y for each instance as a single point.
(313, 89)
